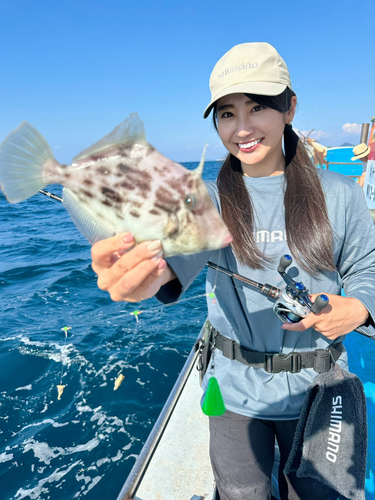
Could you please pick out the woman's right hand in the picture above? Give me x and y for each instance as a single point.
(127, 271)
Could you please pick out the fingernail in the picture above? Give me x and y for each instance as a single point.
(154, 246)
(158, 255)
(127, 238)
(162, 264)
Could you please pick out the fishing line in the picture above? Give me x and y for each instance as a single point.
(215, 281)
(120, 377)
(61, 387)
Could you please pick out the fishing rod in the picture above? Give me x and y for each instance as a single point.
(51, 195)
(291, 303)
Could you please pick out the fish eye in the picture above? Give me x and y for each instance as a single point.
(190, 201)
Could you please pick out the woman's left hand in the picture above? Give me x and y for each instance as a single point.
(341, 316)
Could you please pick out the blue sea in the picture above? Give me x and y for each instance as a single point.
(84, 445)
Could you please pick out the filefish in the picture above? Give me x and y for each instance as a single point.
(121, 183)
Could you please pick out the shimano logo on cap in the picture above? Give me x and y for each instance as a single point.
(334, 430)
(241, 67)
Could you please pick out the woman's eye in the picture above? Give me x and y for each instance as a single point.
(258, 108)
(226, 114)
(190, 201)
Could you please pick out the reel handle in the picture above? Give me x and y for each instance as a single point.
(320, 303)
(285, 262)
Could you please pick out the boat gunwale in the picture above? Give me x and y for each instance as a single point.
(136, 474)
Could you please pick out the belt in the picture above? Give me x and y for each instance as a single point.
(321, 359)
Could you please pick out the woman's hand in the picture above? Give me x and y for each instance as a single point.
(341, 316)
(127, 271)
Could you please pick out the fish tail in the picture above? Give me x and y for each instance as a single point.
(23, 156)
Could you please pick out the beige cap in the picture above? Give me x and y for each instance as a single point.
(360, 151)
(248, 68)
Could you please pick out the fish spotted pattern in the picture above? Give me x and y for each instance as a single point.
(121, 183)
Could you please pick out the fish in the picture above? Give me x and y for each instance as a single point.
(120, 184)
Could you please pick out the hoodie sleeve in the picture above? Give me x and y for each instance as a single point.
(186, 268)
(357, 260)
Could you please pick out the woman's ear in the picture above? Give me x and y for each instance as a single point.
(289, 115)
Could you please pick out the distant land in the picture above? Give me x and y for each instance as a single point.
(346, 144)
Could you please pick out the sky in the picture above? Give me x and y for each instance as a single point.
(76, 69)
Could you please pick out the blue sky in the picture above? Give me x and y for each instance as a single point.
(76, 69)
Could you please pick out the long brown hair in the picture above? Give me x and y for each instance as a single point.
(308, 229)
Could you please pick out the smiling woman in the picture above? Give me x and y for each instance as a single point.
(266, 186)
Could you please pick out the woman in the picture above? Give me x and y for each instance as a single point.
(273, 204)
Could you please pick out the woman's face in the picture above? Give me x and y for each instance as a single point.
(253, 133)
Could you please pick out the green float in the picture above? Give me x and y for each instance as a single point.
(213, 404)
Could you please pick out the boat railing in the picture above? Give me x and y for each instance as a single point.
(328, 163)
(136, 474)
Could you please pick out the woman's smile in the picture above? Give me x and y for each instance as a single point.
(248, 147)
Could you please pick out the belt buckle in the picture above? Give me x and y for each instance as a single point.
(229, 349)
(276, 363)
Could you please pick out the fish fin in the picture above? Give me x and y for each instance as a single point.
(199, 169)
(131, 129)
(89, 226)
(23, 155)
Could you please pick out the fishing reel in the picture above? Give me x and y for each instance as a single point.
(293, 303)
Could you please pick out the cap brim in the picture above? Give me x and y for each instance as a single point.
(261, 88)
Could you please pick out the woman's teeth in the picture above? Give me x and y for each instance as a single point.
(249, 144)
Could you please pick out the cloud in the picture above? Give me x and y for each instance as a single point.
(352, 128)
(317, 134)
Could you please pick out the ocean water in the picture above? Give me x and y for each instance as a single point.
(84, 445)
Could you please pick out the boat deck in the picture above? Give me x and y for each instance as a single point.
(192, 476)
